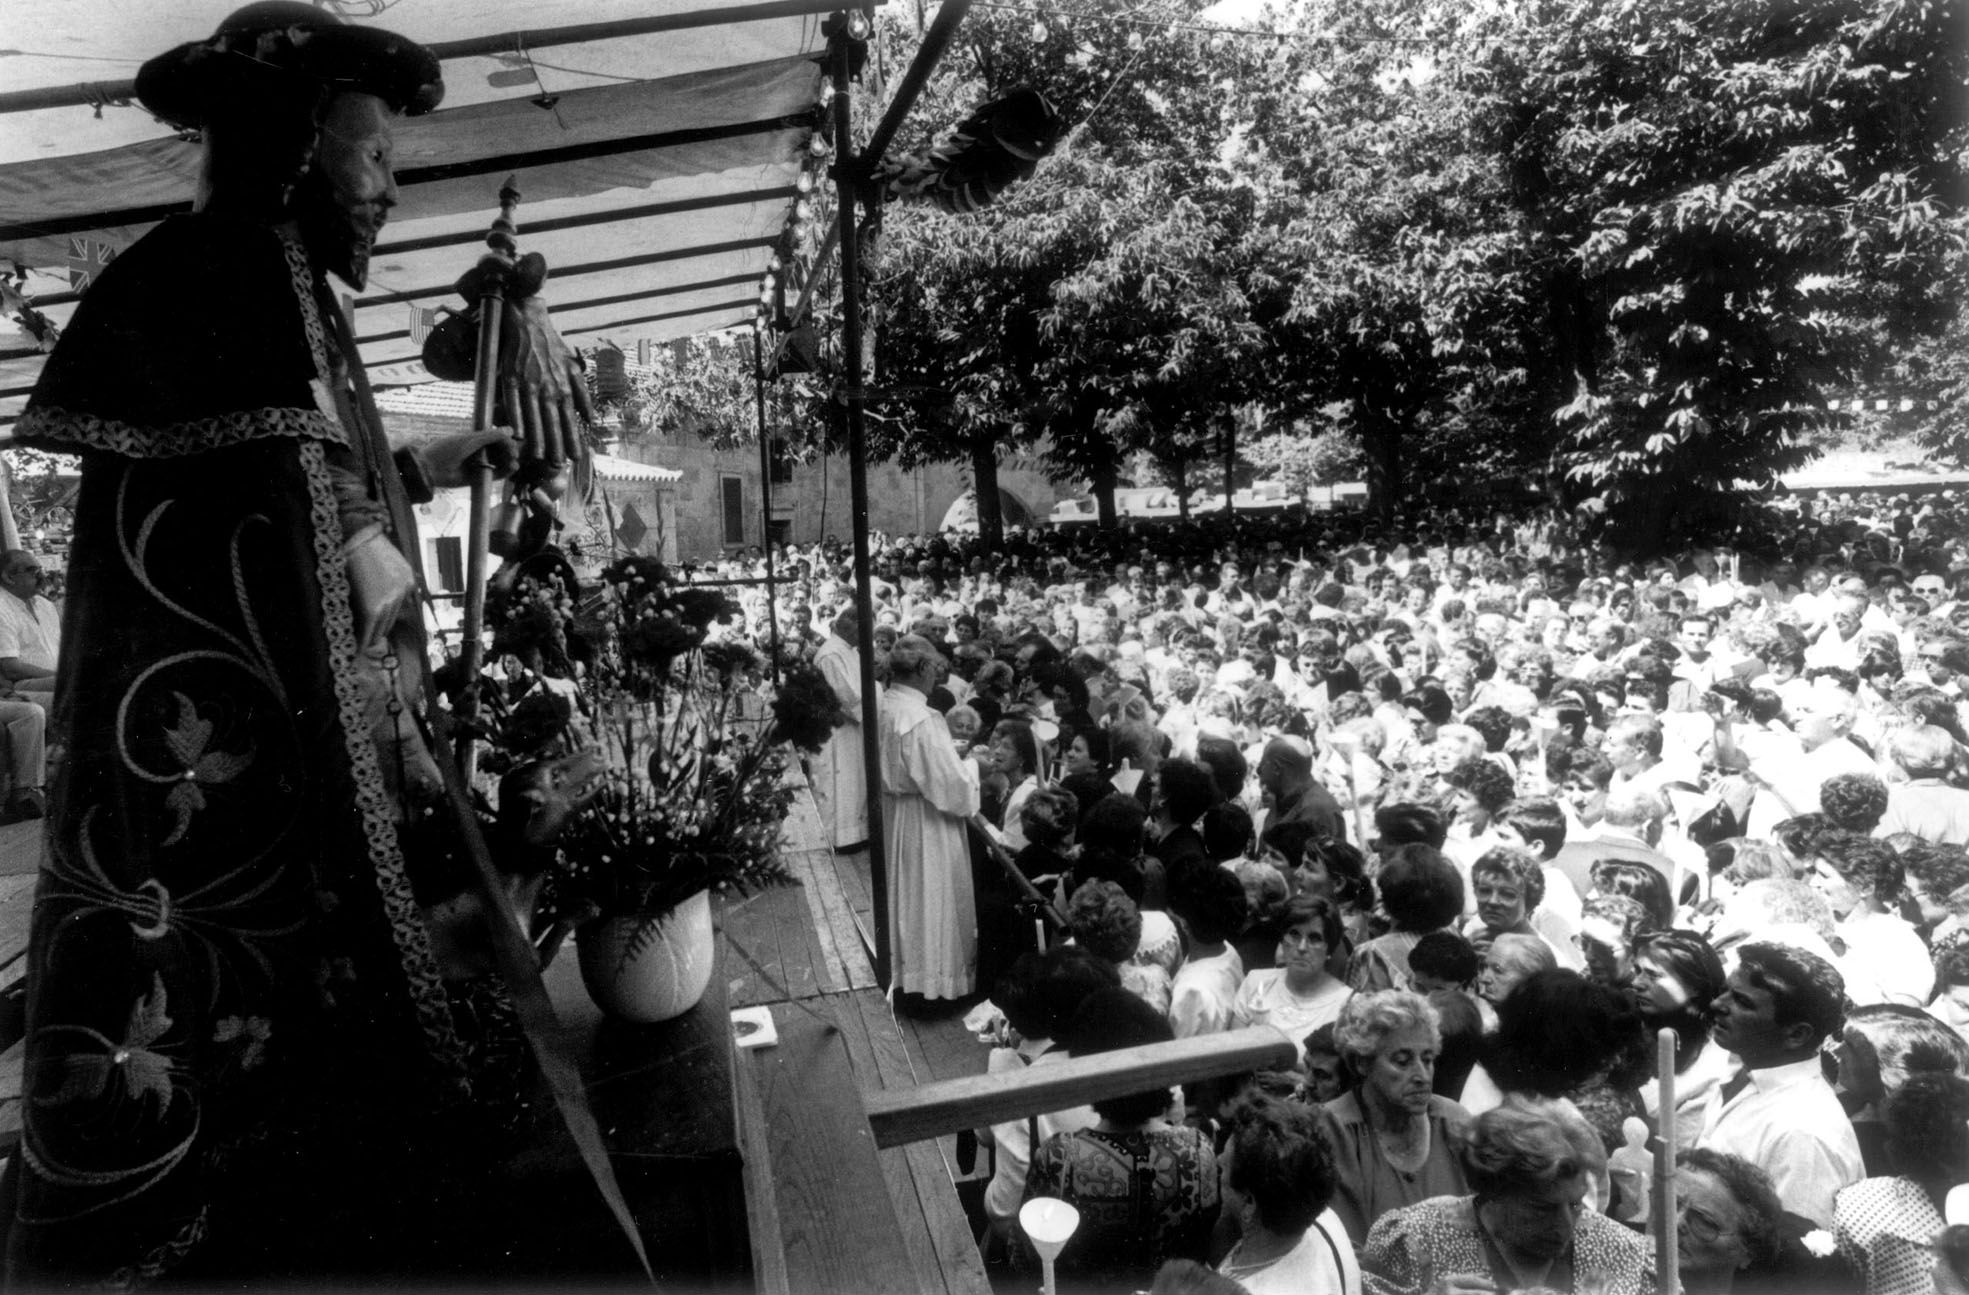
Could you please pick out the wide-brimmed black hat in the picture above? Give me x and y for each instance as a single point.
(276, 41)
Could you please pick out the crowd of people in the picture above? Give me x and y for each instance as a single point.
(1470, 815)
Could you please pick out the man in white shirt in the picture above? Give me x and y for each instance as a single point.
(30, 628)
(1778, 1112)
(30, 641)
(1789, 781)
(1839, 644)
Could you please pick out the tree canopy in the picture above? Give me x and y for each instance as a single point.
(1624, 251)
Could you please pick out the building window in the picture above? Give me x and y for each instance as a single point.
(734, 490)
(450, 553)
(779, 462)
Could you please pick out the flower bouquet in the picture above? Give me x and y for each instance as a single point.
(694, 743)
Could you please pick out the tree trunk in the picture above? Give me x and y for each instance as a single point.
(1181, 471)
(1230, 467)
(1103, 478)
(984, 485)
(1383, 442)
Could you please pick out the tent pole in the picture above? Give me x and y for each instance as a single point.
(766, 502)
(943, 30)
(848, 180)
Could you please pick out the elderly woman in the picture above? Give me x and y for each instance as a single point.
(1391, 1135)
(1729, 1221)
(1525, 1226)
(1883, 1045)
(1421, 892)
(1510, 961)
(1276, 1175)
(1146, 1189)
(1509, 884)
(1299, 994)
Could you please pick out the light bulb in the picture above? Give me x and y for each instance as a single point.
(805, 184)
(817, 145)
(857, 24)
(802, 209)
(826, 93)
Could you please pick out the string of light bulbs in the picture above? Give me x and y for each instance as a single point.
(1040, 13)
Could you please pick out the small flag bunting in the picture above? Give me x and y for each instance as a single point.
(86, 259)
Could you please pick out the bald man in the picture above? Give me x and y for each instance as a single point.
(1285, 775)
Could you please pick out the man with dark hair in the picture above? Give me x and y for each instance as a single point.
(1779, 1113)
(1399, 825)
(1443, 960)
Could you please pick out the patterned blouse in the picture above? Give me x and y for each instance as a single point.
(1410, 1249)
(1145, 1196)
(1884, 1227)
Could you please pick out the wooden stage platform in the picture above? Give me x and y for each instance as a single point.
(813, 1173)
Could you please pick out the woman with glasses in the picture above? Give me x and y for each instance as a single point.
(1299, 994)
(1524, 1227)
(1729, 1222)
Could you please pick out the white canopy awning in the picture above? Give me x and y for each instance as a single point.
(610, 468)
(657, 147)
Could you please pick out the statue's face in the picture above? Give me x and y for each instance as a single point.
(347, 194)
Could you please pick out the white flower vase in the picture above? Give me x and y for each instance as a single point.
(661, 981)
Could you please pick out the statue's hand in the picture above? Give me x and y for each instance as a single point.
(542, 389)
(448, 460)
(381, 582)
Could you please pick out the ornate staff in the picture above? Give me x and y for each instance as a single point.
(487, 284)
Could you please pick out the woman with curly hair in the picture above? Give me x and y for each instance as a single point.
(1853, 802)
(1422, 892)
(1108, 924)
(1299, 994)
(1277, 1179)
(1564, 1043)
(1392, 1136)
(1480, 791)
(1886, 1226)
(1509, 883)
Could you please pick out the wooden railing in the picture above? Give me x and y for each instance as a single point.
(900, 1116)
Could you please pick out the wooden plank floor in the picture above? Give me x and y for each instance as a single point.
(805, 951)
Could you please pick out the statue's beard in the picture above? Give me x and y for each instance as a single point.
(340, 236)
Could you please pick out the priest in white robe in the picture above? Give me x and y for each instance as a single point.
(929, 792)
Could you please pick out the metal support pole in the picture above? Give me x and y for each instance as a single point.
(847, 178)
(766, 501)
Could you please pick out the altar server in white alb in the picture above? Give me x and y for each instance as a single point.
(928, 794)
(840, 776)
